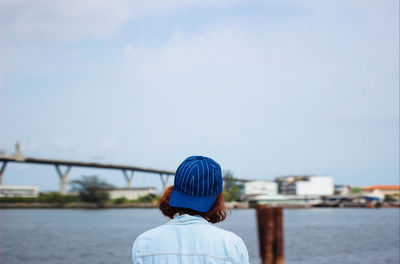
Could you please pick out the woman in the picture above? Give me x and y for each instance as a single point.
(192, 203)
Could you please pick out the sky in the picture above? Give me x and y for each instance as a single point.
(266, 88)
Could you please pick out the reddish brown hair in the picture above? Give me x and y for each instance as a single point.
(216, 214)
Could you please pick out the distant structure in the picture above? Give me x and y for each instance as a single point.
(260, 187)
(18, 191)
(131, 193)
(63, 168)
(382, 190)
(286, 183)
(18, 156)
(305, 185)
(342, 189)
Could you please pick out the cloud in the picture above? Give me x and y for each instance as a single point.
(47, 32)
(72, 21)
(290, 87)
(69, 20)
(108, 144)
(241, 62)
(60, 143)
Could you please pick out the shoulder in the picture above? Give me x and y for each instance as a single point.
(167, 237)
(145, 241)
(236, 244)
(151, 233)
(200, 230)
(226, 234)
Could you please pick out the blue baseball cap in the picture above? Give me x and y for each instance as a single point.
(197, 183)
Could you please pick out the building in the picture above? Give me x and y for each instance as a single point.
(342, 189)
(316, 185)
(131, 193)
(285, 200)
(382, 190)
(305, 185)
(18, 191)
(260, 187)
(285, 183)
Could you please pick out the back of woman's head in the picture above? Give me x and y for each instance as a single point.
(216, 214)
(197, 190)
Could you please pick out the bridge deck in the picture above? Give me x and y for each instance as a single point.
(126, 169)
(83, 164)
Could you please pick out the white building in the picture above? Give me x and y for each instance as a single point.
(131, 193)
(260, 187)
(18, 191)
(315, 185)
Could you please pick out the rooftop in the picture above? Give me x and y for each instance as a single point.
(382, 187)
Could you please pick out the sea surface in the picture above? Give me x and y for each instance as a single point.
(61, 236)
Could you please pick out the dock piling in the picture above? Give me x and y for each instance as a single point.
(270, 234)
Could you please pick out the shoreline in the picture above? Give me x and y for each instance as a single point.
(229, 206)
(73, 206)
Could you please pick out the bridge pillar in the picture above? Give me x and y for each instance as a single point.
(128, 177)
(63, 178)
(164, 181)
(2, 168)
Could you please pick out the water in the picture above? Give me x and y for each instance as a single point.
(105, 236)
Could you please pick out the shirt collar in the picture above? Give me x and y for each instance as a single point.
(186, 219)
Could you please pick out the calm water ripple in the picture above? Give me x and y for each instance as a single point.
(105, 236)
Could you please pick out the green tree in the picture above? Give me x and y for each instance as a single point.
(389, 198)
(57, 198)
(232, 191)
(228, 180)
(149, 198)
(91, 189)
(356, 190)
(233, 194)
(121, 200)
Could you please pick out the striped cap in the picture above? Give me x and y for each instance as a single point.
(198, 181)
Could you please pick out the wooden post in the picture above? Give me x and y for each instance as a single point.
(279, 245)
(270, 234)
(266, 234)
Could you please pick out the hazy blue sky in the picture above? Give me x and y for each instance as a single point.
(266, 88)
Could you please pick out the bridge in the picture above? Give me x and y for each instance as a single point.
(63, 168)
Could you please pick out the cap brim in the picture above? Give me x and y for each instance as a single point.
(199, 203)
